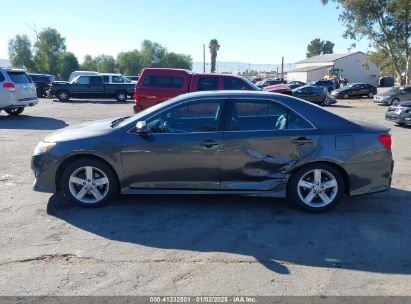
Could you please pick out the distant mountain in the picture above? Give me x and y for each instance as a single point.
(234, 67)
(5, 63)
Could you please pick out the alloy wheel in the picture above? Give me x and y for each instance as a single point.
(89, 185)
(317, 188)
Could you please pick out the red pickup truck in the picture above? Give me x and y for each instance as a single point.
(157, 85)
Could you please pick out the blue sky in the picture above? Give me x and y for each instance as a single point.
(248, 31)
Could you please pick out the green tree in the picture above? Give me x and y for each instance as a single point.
(67, 64)
(152, 54)
(129, 63)
(214, 47)
(386, 23)
(315, 47)
(318, 47)
(382, 59)
(105, 64)
(328, 47)
(48, 48)
(89, 64)
(177, 61)
(20, 52)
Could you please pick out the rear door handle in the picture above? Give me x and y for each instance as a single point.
(209, 143)
(302, 141)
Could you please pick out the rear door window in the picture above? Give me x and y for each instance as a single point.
(264, 116)
(19, 77)
(106, 79)
(164, 82)
(207, 83)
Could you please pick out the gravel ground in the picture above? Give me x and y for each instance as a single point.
(195, 245)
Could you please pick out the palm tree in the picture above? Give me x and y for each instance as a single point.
(214, 48)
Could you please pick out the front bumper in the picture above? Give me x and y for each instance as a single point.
(45, 170)
(378, 99)
(401, 118)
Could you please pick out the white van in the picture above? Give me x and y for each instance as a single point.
(82, 73)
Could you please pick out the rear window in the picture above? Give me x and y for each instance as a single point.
(164, 81)
(2, 77)
(19, 77)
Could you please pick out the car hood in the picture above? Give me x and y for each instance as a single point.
(82, 131)
(386, 94)
(277, 88)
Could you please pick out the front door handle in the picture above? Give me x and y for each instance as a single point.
(209, 143)
(302, 141)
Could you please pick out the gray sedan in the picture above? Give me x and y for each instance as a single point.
(246, 143)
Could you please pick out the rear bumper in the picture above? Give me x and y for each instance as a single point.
(25, 103)
(370, 177)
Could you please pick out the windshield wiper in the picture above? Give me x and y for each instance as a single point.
(116, 122)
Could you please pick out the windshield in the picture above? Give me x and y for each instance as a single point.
(348, 86)
(141, 114)
(74, 80)
(251, 84)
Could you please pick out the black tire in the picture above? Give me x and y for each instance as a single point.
(370, 94)
(329, 174)
(345, 96)
(394, 102)
(62, 96)
(121, 96)
(101, 170)
(14, 111)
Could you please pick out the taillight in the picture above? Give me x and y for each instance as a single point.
(136, 97)
(386, 140)
(9, 86)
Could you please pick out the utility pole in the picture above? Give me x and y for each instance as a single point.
(282, 67)
(203, 58)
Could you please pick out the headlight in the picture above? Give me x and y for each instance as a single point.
(43, 147)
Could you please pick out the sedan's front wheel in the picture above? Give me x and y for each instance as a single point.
(316, 187)
(89, 183)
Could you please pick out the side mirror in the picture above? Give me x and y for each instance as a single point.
(141, 127)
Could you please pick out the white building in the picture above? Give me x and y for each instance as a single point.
(352, 64)
(5, 63)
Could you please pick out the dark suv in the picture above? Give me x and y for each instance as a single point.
(42, 82)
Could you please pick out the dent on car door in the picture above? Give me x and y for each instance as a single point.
(262, 142)
(181, 149)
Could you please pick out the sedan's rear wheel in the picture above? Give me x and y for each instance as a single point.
(345, 96)
(316, 187)
(370, 94)
(89, 183)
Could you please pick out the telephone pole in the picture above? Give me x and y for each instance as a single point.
(203, 58)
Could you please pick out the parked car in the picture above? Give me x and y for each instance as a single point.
(256, 79)
(91, 87)
(329, 84)
(400, 113)
(394, 95)
(238, 142)
(355, 90)
(279, 88)
(114, 78)
(158, 85)
(295, 84)
(75, 74)
(269, 82)
(132, 78)
(317, 95)
(17, 91)
(42, 82)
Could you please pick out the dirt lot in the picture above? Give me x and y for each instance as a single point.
(191, 245)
